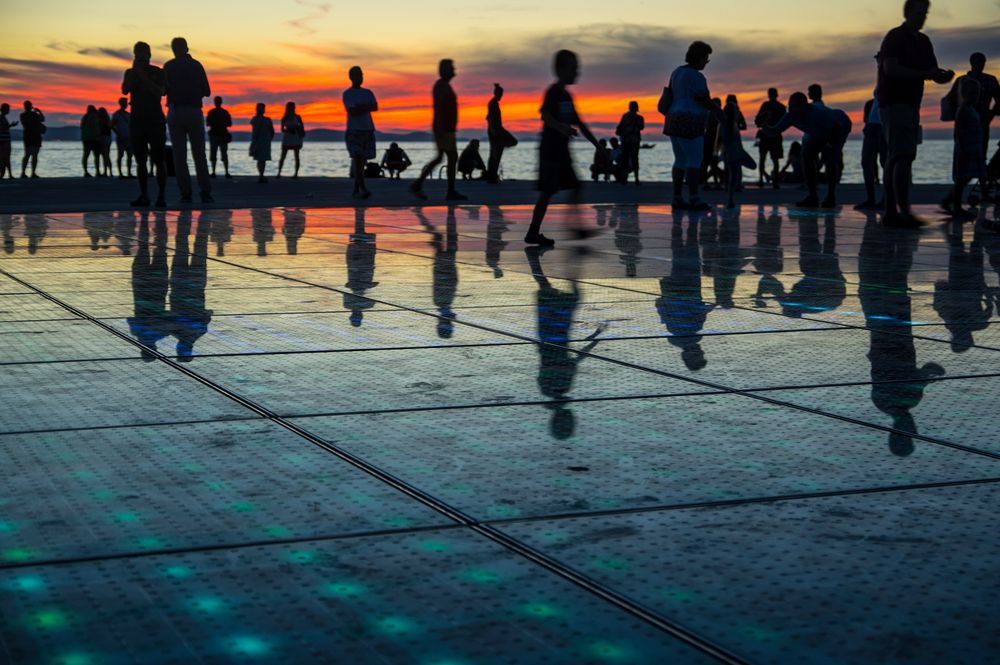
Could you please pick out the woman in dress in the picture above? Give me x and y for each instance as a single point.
(260, 140)
(292, 133)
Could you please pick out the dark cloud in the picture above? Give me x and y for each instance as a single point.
(122, 53)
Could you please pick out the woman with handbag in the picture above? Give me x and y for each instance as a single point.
(500, 138)
(687, 104)
(292, 133)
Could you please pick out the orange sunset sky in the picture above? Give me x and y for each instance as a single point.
(65, 55)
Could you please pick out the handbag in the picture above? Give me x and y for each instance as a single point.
(666, 99)
(948, 108)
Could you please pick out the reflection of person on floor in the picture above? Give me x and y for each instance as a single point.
(989, 239)
(769, 256)
(558, 365)
(151, 322)
(898, 384)
(627, 239)
(99, 227)
(361, 252)
(7, 224)
(680, 306)
(445, 271)
(222, 229)
(823, 286)
(293, 228)
(722, 244)
(263, 228)
(962, 301)
(124, 229)
(495, 226)
(35, 228)
(188, 279)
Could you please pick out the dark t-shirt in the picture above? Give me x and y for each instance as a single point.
(911, 49)
(770, 113)
(445, 108)
(145, 102)
(31, 125)
(218, 120)
(559, 104)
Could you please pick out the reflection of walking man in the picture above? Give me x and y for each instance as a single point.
(360, 257)
(186, 85)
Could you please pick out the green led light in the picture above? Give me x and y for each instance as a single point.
(434, 546)
(74, 659)
(399, 522)
(214, 485)
(126, 517)
(277, 531)
(192, 467)
(481, 576)
(84, 474)
(18, 554)
(177, 572)
(208, 604)
(541, 610)
(49, 619)
(501, 511)
(344, 589)
(103, 495)
(301, 556)
(608, 651)
(249, 646)
(7, 527)
(243, 506)
(27, 583)
(396, 625)
(151, 543)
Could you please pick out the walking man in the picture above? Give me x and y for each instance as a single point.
(187, 84)
(445, 128)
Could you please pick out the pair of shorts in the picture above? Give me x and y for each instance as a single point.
(360, 144)
(688, 152)
(901, 124)
(148, 138)
(770, 146)
(446, 142)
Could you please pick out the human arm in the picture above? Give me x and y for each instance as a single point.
(741, 122)
(206, 90)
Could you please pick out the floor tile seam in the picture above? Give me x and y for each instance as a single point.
(238, 545)
(434, 503)
(748, 501)
(173, 423)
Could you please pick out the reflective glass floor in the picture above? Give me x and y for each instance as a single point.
(398, 436)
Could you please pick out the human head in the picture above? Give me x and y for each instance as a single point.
(393, 145)
(356, 75)
(603, 143)
(731, 99)
(289, 108)
(797, 101)
(260, 108)
(4, 108)
(474, 143)
(697, 54)
(497, 91)
(815, 92)
(614, 142)
(446, 69)
(218, 102)
(27, 105)
(563, 422)
(978, 62)
(142, 52)
(968, 91)
(122, 103)
(633, 106)
(566, 66)
(357, 316)
(91, 109)
(179, 46)
(772, 94)
(915, 13)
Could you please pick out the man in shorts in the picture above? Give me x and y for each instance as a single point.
(769, 145)
(906, 60)
(147, 126)
(360, 135)
(219, 121)
(445, 128)
(32, 128)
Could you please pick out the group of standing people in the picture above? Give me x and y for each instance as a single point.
(32, 122)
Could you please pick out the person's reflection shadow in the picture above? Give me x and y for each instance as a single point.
(151, 323)
(680, 306)
(558, 364)
(627, 239)
(188, 279)
(495, 227)
(124, 229)
(898, 384)
(989, 239)
(7, 224)
(445, 270)
(722, 256)
(769, 256)
(99, 226)
(262, 222)
(293, 228)
(36, 226)
(360, 255)
(222, 230)
(823, 286)
(963, 301)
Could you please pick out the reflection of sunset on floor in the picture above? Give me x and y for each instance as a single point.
(301, 52)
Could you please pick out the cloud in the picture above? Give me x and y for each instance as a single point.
(123, 53)
(304, 23)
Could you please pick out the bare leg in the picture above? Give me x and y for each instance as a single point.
(537, 215)
(281, 160)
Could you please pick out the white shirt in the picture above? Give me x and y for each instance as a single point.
(357, 97)
(688, 84)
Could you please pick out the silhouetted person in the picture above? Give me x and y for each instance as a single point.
(968, 158)
(824, 134)
(188, 279)
(470, 160)
(99, 226)
(686, 124)
(495, 244)
(120, 121)
(988, 104)
(187, 84)
(815, 94)
(630, 130)
(445, 127)
(732, 147)
(359, 103)
(151, 323)
(147, 126)
(36, 227)
(445, 270)
(293, 228)
(32, 128)
(293, 132)
(906, 60)
(360, 255)
(601, 166)
(873, 154)
(627, 239)
(219, 121)
(222, 230)
(560, 123)
(90, 136)
(615, 148)
(680, 306)
(261, 135)
(963, 300)
(898, 384)
(395, 160)
(769, 145)
(500, 138)
(5, 141)
(106, 138)
(712, 174)
(262, 222)
(124, 230)
(794, 162)
(557, 363)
